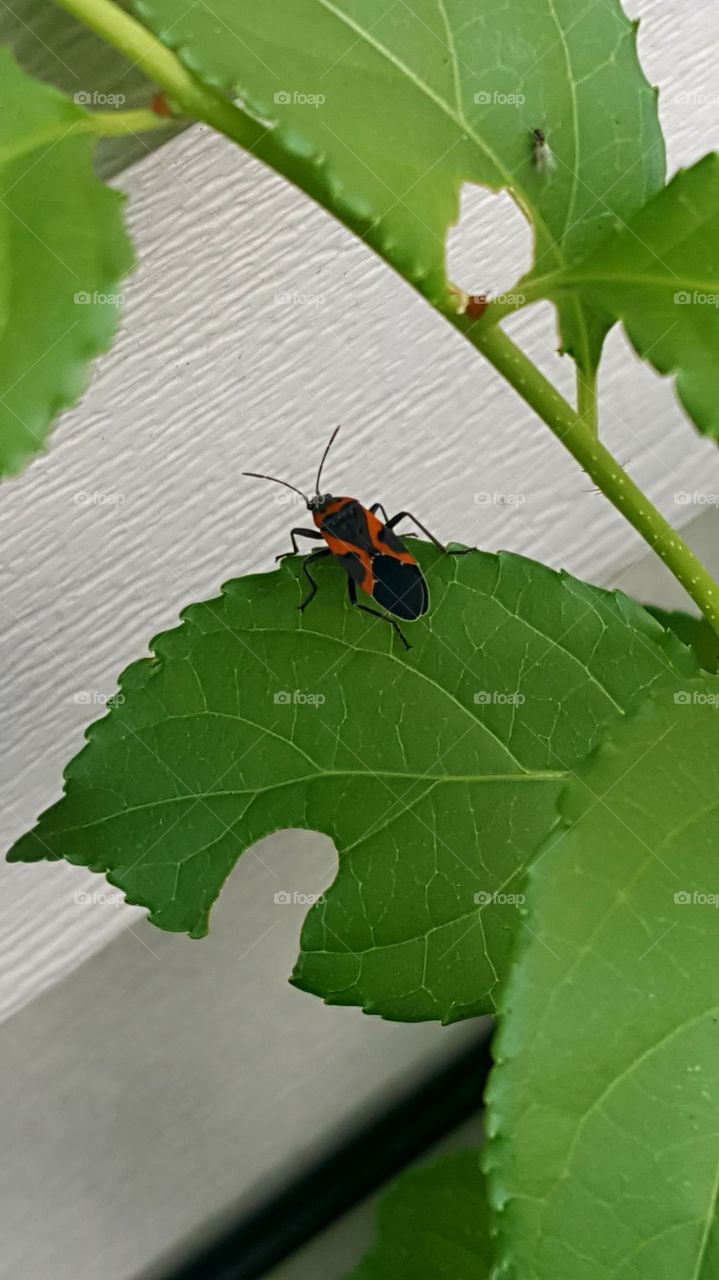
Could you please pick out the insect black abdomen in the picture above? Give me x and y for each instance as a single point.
(399, 588)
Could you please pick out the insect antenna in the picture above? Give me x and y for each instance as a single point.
(273, 479)
(324, 456)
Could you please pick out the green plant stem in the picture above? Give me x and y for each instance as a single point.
(587, 408)
(197, 100)
(596, 460)
(497, 311)
(160, 64)
(113, 124)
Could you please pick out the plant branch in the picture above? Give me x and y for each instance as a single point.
(596, 460)
(113, 124)
(587, 399)
(160, 64)
(533, 288)
(197, 100)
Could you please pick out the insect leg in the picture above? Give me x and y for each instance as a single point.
(306, 533)
(377, 506)
(408, 514)
(352, 591)
(316, 555)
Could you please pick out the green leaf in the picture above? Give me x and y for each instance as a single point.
(604, 1101)
(433, 1223)
(388, 109)
(63, 250)
(435, 772)
(659, 275)
(695, 632)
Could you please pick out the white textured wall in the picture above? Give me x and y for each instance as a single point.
(139, 508)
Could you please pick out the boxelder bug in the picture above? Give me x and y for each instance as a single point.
(371, 554)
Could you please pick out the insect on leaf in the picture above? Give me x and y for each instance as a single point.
(435, 772)
(659, 275)
(390, 108)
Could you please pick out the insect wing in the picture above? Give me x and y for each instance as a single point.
(399, 587)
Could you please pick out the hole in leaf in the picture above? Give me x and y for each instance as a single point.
(490, 249)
